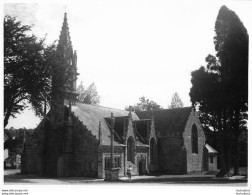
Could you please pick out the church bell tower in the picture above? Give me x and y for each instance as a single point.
(64, 75)
(59, 146)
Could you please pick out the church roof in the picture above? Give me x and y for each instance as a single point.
(118, 127)
(142, 130)
(168, 122)
(91, 115)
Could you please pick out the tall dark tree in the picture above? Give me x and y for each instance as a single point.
(221, 89)
(176, 101)
(231, 45)
(27, 69)
(89, 95)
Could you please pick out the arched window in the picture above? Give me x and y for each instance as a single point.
(130, 149)
(194, 139)
(152, 149)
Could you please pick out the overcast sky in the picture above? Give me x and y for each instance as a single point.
(131, 48)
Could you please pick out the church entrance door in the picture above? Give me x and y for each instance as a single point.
(141, 167)
(60, 167)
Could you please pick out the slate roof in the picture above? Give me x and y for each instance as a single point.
(90, 115)
(168, 122)
(118, 127)
(210, 149)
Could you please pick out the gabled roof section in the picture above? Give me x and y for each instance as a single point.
(168, 122)
(120, 124)
(142, 129)
(91, 115)
(210, 149)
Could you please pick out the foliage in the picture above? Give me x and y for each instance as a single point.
(145, 105)
(231, 45)
(16, 138)
(89, 95)
(27, 69)
(221, 89)
(176, 102)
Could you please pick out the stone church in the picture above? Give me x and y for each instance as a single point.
(74, 139)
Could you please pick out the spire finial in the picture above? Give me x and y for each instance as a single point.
(65, 8)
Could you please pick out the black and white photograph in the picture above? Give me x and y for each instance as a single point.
(125, 94)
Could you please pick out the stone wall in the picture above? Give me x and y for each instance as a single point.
(54, 150)
(172, 155)
(61, 151)
(118, 152)
(195, 161)
(212, 163)
(34, 149)
(141, 158)
(85, 151)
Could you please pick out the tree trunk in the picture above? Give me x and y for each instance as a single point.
(7, 116)
(236, 142)
(228, 151)
(228, 143)
(222, 156)
(237, 157)
(222, 149)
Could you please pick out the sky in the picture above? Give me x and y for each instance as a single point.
(131, 48)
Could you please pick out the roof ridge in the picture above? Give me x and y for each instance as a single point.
(174, 108)
(103, 107)
(165, 109)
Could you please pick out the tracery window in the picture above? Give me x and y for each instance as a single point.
(117, 160)
(131, 149)
(152, 149)
(194, 139)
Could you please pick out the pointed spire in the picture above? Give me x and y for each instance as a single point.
(64, 38)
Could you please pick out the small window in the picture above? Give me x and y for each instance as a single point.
(194, 139)
(152, 150)
(131, 150)
(211, 159)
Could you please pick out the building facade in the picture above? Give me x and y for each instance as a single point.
(74, 139)
(181, 140)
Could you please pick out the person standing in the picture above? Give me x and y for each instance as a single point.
(129, 172)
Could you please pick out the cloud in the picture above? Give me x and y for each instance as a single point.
(23, 12)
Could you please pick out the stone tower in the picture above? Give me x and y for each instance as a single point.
(59, 134)
(64, 75)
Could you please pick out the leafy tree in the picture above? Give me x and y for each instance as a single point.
(89, 95)
(145, 105)
(27, 71)
(176, 102)
(221, 89)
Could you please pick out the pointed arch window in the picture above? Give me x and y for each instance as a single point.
(131, 149)
(194, 139)
(152, 149)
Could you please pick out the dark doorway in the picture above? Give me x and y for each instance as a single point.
(60, 167)
(141, 167)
